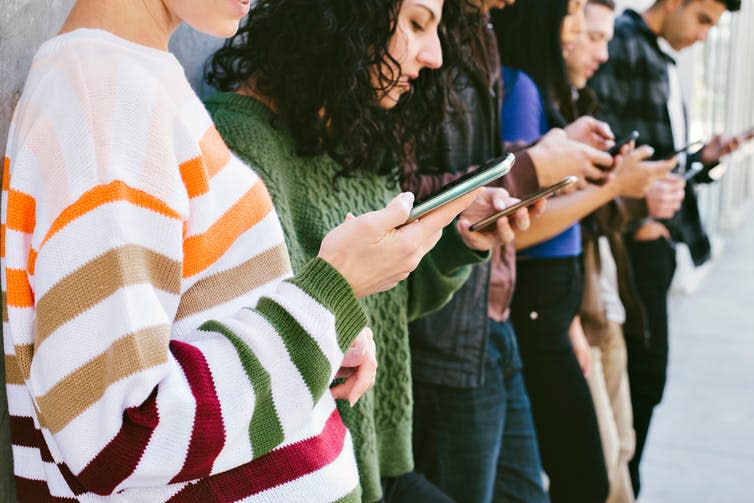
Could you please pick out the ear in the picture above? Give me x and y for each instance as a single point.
(671, 5)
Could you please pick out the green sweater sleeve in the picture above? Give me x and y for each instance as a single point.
(440, 273)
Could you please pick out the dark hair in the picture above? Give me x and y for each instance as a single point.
(528, 36)
(610, 4)
(314, 59)
(731, 5)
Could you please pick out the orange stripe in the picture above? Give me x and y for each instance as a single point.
(101, 195)
(203, 250)
(195, 177)
(31, 262)
(6, 173)
(216, 154)
(19, 289)
(197, 172)
(22, 211)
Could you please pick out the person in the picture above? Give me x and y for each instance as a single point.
(641, 75)
(539, 95)
(329, 143)
(608, 287)
(157, 346)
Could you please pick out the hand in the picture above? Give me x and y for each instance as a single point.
(589, 130)
(373, 255)
(719, 146)
(491, 201)
(633, 175)
(359, 368)
(580, 346)
(665, 196)
(555, 157)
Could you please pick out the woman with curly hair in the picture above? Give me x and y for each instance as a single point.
(326, 98)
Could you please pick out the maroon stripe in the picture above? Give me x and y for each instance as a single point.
(24, 433)
(208, 435)
(273, 469)
(118, 460)
(36, 491)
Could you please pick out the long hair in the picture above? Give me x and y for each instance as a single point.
(528, 35)
(315, 61)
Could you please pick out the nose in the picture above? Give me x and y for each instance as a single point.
(603, 55)
(701, 36)
(430, 56)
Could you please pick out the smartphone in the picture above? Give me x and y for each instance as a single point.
(688, 147)
(527, 201)
(486, 173)
(615, 149)
(695, 169)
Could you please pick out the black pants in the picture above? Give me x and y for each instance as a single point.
(547, 297)
(654, 266)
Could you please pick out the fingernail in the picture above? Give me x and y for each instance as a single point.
(407, 198)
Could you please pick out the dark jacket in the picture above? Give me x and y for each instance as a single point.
(448, 347)
(633, 88)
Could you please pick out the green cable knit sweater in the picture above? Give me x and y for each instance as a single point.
(309, 206)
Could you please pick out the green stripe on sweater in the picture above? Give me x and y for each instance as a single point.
(265, 430)
(326, 285)
(306, 354)
(352, 497)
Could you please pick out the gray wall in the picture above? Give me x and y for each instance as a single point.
(24, 26)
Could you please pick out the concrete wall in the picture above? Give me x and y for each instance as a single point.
(24, 26)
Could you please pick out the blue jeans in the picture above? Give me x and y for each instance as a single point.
(478, 444)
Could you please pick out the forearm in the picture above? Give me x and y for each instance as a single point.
(562, 212)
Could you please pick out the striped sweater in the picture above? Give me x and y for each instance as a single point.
(156, 346)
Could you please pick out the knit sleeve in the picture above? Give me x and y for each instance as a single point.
(440, 273)
(112, 240)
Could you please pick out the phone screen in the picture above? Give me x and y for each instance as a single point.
(527, 201)
(488, 172)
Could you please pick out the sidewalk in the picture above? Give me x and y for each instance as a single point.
(701, 443)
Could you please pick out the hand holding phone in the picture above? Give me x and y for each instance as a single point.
(485, 174)
(527, 201)
(615, 149)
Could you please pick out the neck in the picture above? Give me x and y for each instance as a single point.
(654, 17)
(145, 22)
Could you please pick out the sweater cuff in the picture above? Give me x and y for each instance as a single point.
(452, 254)
(326, 285)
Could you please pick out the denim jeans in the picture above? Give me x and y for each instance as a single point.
(479, 444)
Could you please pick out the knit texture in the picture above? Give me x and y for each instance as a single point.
(309, 205)
(156, 345)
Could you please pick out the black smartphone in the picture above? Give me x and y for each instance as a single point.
(527, 201)
(486, 173)
(615, 149)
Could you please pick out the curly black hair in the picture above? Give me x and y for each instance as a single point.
(314, 60)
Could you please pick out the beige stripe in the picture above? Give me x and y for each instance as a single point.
(101, 277)
(17, 367)
(233, 283)
(82, 388)
(4, 300)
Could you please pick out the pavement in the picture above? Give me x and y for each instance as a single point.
(701, 441)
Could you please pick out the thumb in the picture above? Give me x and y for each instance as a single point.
(395, 213)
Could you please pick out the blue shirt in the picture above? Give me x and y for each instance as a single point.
(523, 118)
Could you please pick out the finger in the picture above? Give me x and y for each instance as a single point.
(354, 355)
(429, 224)
(344, 372)
(642, 153)
(394, 214)
(504, 232)
(598, 157)
(521, 219)
(538, 208)
(364, 380)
